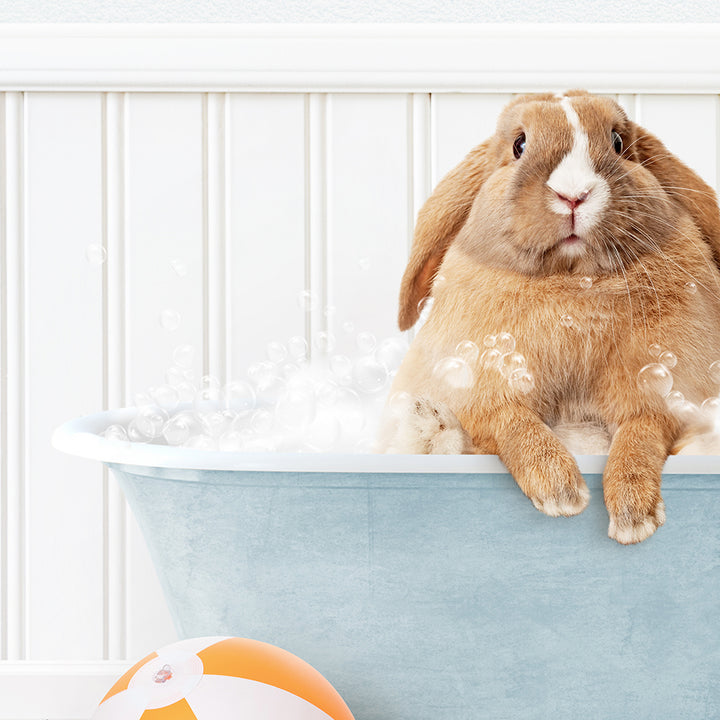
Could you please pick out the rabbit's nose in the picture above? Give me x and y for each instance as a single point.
(573, 202)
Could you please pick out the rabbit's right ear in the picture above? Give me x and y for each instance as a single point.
(439, 221)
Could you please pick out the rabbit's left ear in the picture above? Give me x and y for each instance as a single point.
(682, 184)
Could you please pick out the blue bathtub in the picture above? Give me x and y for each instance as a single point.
(429, 587)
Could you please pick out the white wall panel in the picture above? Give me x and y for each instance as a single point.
(267, 223)
(687, 125)
(65, 372)
(370, 204)
(164, 225)
(460, 123)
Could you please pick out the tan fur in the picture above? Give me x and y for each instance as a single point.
(489, 233)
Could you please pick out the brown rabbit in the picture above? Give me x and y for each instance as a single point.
(575, 233)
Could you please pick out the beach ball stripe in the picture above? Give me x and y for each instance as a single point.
(222, 678)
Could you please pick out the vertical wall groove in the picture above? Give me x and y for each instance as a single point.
(115, 370)
(215, 235)
(317, 221)
(15, 461)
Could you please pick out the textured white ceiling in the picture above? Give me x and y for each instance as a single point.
(344, 11)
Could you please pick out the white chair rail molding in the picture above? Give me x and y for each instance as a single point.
(219, 171)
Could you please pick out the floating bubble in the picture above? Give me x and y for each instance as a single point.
(364, 264)
(522, 381)
(276, 352)
(566, 320)
(390, 353)
(324, 341)
(655, 378)
(150, 421)
(207, 399)
(586, 282)
(369, 375)
(178, 429)
(296, 408)
(289, 370)
(341, 366)
(711, 407)
(263, 374)
(366, 342)
(142, 399)
(116, 433)
(307, 301)
(439, 282)
(505, 343)
(348, 328)
(216, 423)
(690, 288)
(95, 254)
(329, 311)
(399, 402)
(174, 375)
(453, 371)
(510, 362)
(170, 320)
(135, 434)
(468, 351)
(326, 393)
(714, 371)
(425, 306)
(239, 397)
(298, 348)
(490, 341)
(186, 391)
(655, 350)
(668, 359)
(262, 421)
(179, 267)
(166, 397)
(675, 399)
(491, 358)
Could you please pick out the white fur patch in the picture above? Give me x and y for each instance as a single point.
(575, 178)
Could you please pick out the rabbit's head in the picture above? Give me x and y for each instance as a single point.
(566, 184)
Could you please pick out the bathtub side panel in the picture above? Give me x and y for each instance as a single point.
(441, 598)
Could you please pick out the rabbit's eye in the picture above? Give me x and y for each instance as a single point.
(519, 145)
(617, 142)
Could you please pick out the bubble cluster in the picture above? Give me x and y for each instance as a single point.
(500, 355)
(285, 403)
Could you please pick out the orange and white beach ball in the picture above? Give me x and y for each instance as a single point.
(222, 678)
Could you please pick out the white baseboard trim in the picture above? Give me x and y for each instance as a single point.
(55, 691)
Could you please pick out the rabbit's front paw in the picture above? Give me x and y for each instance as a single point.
(630, 523)
(417, 425)
(569, 497)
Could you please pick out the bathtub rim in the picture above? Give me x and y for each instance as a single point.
(80, 437)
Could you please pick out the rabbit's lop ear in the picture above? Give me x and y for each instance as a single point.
(439, 221)
(682, 184)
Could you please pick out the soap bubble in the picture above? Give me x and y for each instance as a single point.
(341, 366)
(296, 408)
(143, 399)
(116, 433)
(179, 267)
(178, 429)
(491, 358)
(95, 254)
(263, 374)
(135, 434)
(390, 353)
(566, 320)
(668, 359)
(216, 422)
(307, 301)
(166, 397)
(711, 407)
(714, 371)
(490, 341)
(424, 307)
(170, 320)
(276, 352)
(510, 362)
(298, 348)
(174, 375)
(324, 341)
(369, 375)
(262, 421)
(186, 391)
(586, 282)
(348, 328)
(522, 380)
(505, 343)
(364, 264)
(399, 402)
(150, 420)
(675, 399)
(239, 397)
(655, 378)
(690, 288)
(453, 371)
(231, 441)
(655, 350)
(289, 370)
(468, 351)
(207, 399)
(201, 442)
(366, 342)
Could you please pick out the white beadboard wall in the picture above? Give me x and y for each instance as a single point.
(263, 175)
